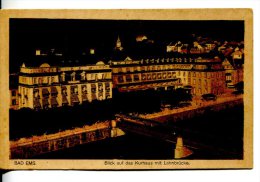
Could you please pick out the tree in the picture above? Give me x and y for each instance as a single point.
(184, 95)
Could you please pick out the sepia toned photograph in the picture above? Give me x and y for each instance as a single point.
(124, 91)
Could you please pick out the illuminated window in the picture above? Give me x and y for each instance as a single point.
(120, 70)
(93, 76)
(143, 77)
(159, 76)
(73, 76)
(148, 77)
(36, 93)
(164, 75)
(83, 75)
(115, 70)
(189, 81)
(154, 76)
(169, 75)
(100, 87)
(109, 75)
(40, 80)
(63, 77)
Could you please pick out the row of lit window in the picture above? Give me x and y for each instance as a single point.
(201, 74)
(45, 102)
(45, 80)
(38, 70)
(136, 77)
(199, 91)
(83, 76)
(38, 80)
(142, 68)
(199, 82)
(74, 89)
(178, 73)
(207, 90)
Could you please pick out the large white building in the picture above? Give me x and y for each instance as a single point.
(55, 86)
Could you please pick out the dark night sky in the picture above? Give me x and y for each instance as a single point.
(76, 35)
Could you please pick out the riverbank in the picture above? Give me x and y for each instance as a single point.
(196, 105)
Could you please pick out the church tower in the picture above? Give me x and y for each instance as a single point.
(118, 44)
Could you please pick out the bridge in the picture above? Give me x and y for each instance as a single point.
(154, 130)
(184, 140)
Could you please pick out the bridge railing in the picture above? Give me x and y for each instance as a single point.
(30, 147)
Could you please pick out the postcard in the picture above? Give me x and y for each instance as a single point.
(126, 89)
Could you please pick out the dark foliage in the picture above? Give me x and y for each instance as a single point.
(26, 122)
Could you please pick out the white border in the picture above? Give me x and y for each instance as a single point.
(151, 176)
(129, 4)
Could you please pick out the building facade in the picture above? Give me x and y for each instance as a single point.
(233, 74)
(202, 75)
(53, 86)
(131, 75)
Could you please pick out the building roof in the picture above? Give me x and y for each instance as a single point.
(49, 61)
